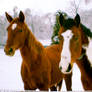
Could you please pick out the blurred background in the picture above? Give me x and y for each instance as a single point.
(40, 14)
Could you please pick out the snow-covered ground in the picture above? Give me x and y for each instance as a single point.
(10, 78)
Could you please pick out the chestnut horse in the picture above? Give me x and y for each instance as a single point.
(40, 66)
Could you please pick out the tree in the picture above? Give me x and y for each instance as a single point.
(74, 7)
(54, 38)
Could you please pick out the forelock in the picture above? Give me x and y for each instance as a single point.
(68, 23)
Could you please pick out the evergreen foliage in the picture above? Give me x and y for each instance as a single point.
(54, 38)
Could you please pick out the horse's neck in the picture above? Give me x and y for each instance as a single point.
(85, 66)
(32, 48)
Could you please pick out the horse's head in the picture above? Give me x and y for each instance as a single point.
(16, 33)
(70, 36)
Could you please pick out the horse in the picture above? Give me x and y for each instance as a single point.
(40, 65)
(81, 60)
(70, 31)
(72, 36)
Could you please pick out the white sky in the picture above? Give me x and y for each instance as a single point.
(43, 5)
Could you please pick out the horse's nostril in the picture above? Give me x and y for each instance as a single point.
(69, 68)
(10, 50)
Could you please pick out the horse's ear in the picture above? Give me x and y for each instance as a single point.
(21, 16)
(9, 18)
(61, 19)
(77, 20)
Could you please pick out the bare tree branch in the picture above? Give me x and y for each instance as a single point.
(74, 5)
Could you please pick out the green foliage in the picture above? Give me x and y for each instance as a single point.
(55, 30)
(54, 38)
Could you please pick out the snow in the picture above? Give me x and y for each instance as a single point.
(10, 78)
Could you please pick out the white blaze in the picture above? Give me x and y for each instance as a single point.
(14, 26)
(65, 54)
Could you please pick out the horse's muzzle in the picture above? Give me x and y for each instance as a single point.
(9, 51)
(69, 69)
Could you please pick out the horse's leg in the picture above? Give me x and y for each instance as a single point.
(85, 83)
(53, 88)
(24, 73)
(44, 88)
(26, 87)
(59, 85)
(68, 81)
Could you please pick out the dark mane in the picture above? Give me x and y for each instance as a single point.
(86, 63)
(68, 23)
(86, 30)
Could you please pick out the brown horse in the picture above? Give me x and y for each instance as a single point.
(74, 45)
(83, 61)
(70, 34)
(40, 66)
(86, 32)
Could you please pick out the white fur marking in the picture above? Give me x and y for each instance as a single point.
(14, 26)
(66, 55)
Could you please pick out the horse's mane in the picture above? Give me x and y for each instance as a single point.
(86, 63)
(86, 30)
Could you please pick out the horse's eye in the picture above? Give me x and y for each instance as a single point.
(20, 30)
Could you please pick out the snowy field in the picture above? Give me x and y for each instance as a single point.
(10, 78)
